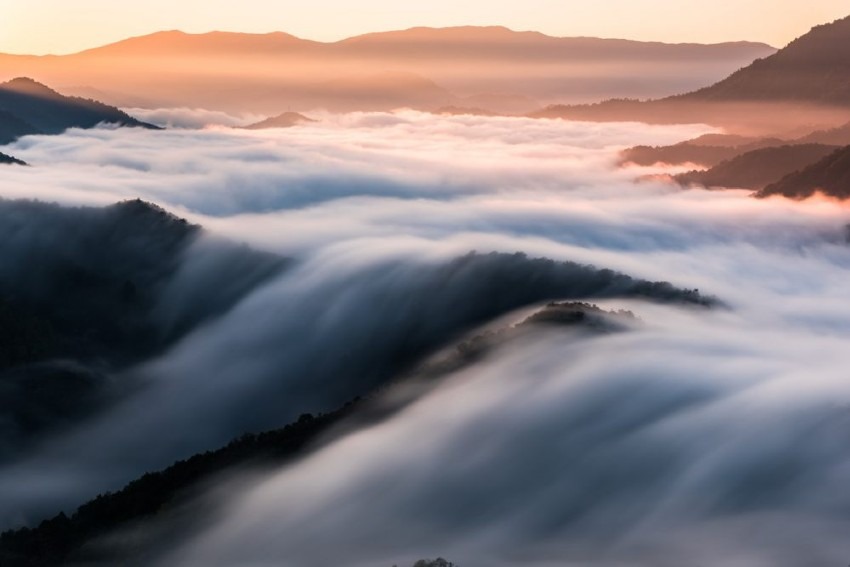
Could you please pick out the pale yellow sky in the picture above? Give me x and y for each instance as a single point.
(64, 26)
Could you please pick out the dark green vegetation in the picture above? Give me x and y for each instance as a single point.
(28, 107)
(83, 536)
(757, 168)
(830, 176)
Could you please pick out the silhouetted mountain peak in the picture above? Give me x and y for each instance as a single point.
(7, 159)
(813, 68)
(29, 107)
(28, 86)
(285, 120)
(819, 38)
(150, 214)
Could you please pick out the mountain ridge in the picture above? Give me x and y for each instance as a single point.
(421, 32)
(805, 84)
(829, 176)
(240, 72)
(29, 107)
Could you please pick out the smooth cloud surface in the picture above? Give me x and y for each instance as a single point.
(662, 444)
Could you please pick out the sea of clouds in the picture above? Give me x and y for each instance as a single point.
(716, 436)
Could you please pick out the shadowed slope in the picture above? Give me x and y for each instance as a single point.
(813, 68)
(154, 507)
(10, 160)
(694, 151)
(806, 84)
(51, 113)
(28, 107)
(758, 168)
(109, 288)
(830, 176)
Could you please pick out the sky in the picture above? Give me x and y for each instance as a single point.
(60, 26)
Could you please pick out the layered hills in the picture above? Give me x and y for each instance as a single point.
(491, 67)
(829, 176)
(120, 287)
(758, 168)
(806, 85)
(118, 525)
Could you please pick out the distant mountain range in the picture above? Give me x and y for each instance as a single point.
(492, 68)
(285, 120)
(803, 86)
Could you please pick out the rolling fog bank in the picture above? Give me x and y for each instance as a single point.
(713, 435)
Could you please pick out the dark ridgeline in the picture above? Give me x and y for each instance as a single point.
(812, 73)
(829, 176)
(86, 308)
(711, 149)
(164, 497)
(13, 127)
(28, 107)
(423, 68)
(839, 136)
(757, 168)
(285, 120)
(760, 164)
(707, 150)
(10, 160)
(812, 68)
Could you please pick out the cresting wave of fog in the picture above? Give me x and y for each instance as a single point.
(717, 436)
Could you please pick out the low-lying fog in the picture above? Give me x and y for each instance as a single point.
(719, 436)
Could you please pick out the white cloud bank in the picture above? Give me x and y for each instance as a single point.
(701, 437)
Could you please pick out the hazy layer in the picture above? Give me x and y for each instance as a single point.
(717, 437)
(493, 68)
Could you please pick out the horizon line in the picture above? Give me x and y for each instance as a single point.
(386, 31)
